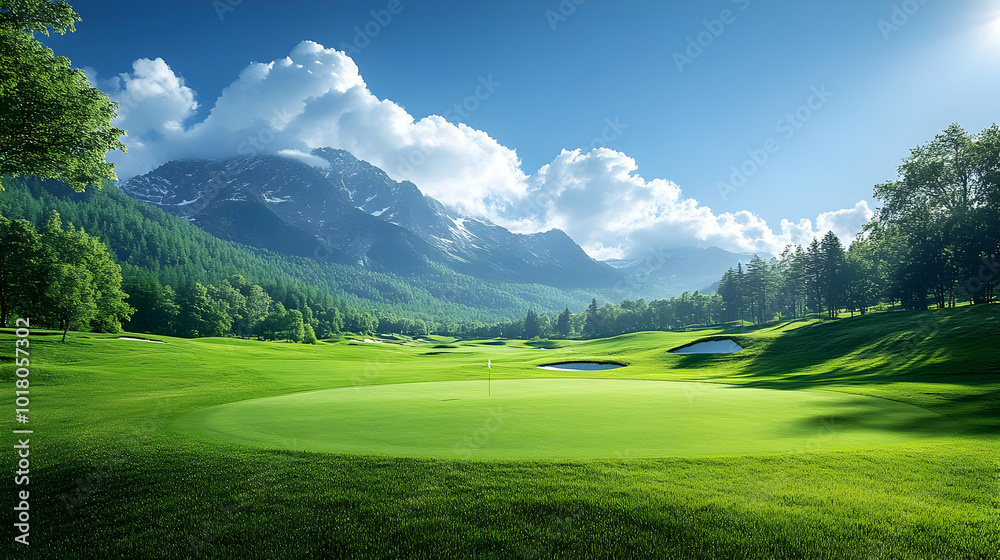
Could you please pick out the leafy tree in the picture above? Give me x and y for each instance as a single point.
(166, 311)
(52, 123)
(257, 305)
(293, 329)
(21, 269)
(272, 326)
(70, 297)
(232, 301)
(96, 301)
(309, 334)
(201, 315)
(106, 275)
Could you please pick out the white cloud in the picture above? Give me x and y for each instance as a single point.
(152, 99)
(305, 158)
(611, 211)
(316, 97)
(845, 223)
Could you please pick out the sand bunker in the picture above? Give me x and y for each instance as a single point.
(580, 366)
(709, 347)
(140, 339)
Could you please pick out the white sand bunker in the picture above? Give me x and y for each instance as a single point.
(710, 347)
(580, 366)
(141, 339)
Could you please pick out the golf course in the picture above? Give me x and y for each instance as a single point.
(865, 437)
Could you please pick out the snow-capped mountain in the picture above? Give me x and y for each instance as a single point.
(352, 212)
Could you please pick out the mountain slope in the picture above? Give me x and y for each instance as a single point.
(351, 212)
(684, 269)
(148, 242)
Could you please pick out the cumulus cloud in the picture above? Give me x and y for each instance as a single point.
(611, 211)
(315, 97)
(152, 99)
(845, 223)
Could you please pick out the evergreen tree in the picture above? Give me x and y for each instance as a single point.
(832, 277)
(814, 273)
(531, 326)
(562, 323)
(591, 320)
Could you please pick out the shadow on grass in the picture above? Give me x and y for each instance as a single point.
(871, 414)
(949, 347)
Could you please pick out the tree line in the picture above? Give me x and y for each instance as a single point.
(59, 277)
(934, 242)
(596, 321)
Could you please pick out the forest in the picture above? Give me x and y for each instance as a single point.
(934, 242)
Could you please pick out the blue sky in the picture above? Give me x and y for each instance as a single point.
(863, 80)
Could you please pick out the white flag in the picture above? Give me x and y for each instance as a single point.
(489, 363)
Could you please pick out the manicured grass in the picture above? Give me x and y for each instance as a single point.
(564, 419)
(116, 474)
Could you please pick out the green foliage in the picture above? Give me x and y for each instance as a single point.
(936, 230)
(155, 248)
(52, 123)
(531, 325)
(38, 15)
(309, 335)
(59, 278)
(21, 265)
(293, 329)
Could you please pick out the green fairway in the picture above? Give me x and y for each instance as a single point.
(872, 437)
(565, 419)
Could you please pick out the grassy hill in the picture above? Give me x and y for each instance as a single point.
(118, 474)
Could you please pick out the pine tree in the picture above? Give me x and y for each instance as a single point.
(832, 278)
(591, 320)
(562, 323)
(531, 326)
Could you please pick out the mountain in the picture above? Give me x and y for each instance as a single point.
(684, 269)
(351, 212)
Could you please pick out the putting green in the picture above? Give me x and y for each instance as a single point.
(564, 418)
